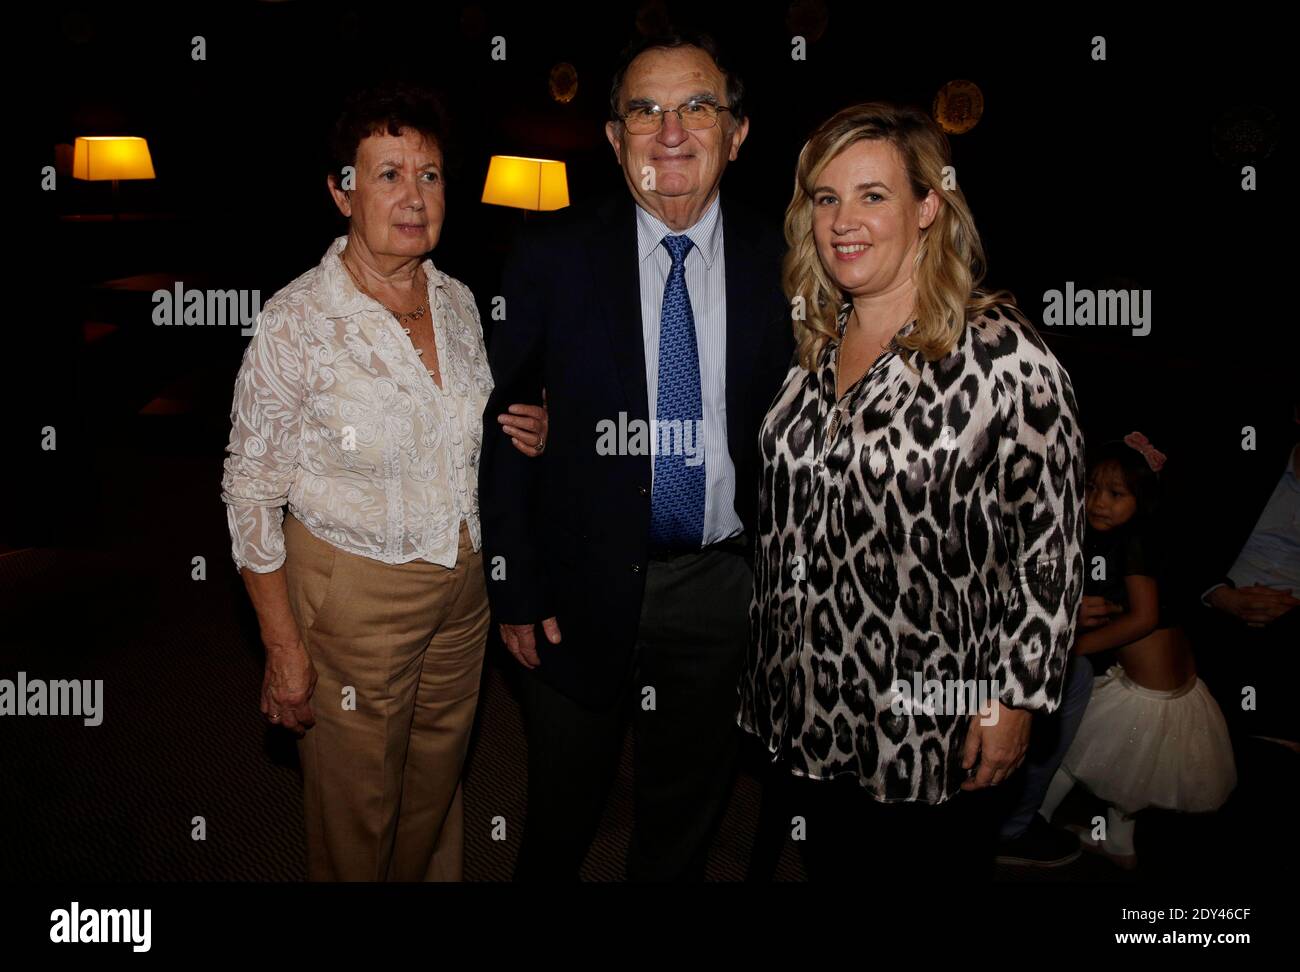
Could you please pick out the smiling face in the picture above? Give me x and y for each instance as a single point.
(398, 204)
(1109, 501)
(866, 220)
(674, 172)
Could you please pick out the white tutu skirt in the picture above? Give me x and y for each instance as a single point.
(1138, 747)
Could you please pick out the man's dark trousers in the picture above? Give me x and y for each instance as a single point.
(681, 698)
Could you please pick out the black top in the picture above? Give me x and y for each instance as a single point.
(1129, 550)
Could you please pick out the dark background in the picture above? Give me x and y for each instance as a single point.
(1122, 173)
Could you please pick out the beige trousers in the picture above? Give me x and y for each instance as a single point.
(398, 651)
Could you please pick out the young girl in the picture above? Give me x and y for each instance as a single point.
(1152, 735)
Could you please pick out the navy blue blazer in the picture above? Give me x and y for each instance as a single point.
(565, 535)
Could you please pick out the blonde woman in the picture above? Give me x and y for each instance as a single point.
(921, 517)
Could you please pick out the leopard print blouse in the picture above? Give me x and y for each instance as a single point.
(933, 530)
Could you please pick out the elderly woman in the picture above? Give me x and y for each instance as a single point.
(359, 403)
(921, 517)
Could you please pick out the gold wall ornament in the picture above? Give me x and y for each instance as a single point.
(808, 19)
(564, 82)
(1245, 133)
(958, 106)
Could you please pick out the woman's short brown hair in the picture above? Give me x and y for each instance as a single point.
(387, 107)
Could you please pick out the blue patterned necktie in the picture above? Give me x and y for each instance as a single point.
(677, 503)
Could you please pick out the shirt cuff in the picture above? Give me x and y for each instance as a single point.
(1211, 590)
(240, 564)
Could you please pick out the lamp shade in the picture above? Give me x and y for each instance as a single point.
(538, 184)
(98, 157)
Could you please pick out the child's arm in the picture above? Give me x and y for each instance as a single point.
(1137, 622)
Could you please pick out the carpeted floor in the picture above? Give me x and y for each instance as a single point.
(182, 738)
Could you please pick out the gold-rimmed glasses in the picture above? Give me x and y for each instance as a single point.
(696, 114)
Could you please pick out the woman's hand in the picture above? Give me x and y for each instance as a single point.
(290, 677)
(527, 426)
(1095, 611)
(999, 747)
(287, 687)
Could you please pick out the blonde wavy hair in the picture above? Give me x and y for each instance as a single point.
(950, 261)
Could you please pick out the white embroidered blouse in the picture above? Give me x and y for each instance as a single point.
(335, 414)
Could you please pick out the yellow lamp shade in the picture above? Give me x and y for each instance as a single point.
(538, 184)
(98, 157)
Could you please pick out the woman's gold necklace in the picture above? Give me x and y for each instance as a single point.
(402, 318)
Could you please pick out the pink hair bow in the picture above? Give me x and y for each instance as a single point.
(1154, 457)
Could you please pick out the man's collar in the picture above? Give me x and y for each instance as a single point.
(338, 294)
(706, 234)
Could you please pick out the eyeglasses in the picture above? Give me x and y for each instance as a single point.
(694, 115)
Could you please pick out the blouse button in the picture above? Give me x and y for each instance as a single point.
(407, 330)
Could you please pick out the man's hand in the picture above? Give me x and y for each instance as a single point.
(287, 687)
(521, 641)
(999, 748)
(1256, 605)
(527, 426)
(1096, 611)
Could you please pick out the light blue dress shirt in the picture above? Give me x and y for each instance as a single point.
(706, 282)
(1271, 556)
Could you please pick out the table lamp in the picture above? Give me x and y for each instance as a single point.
(111, 157)
(539, 185)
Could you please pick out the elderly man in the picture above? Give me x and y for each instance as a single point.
(621, 582)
